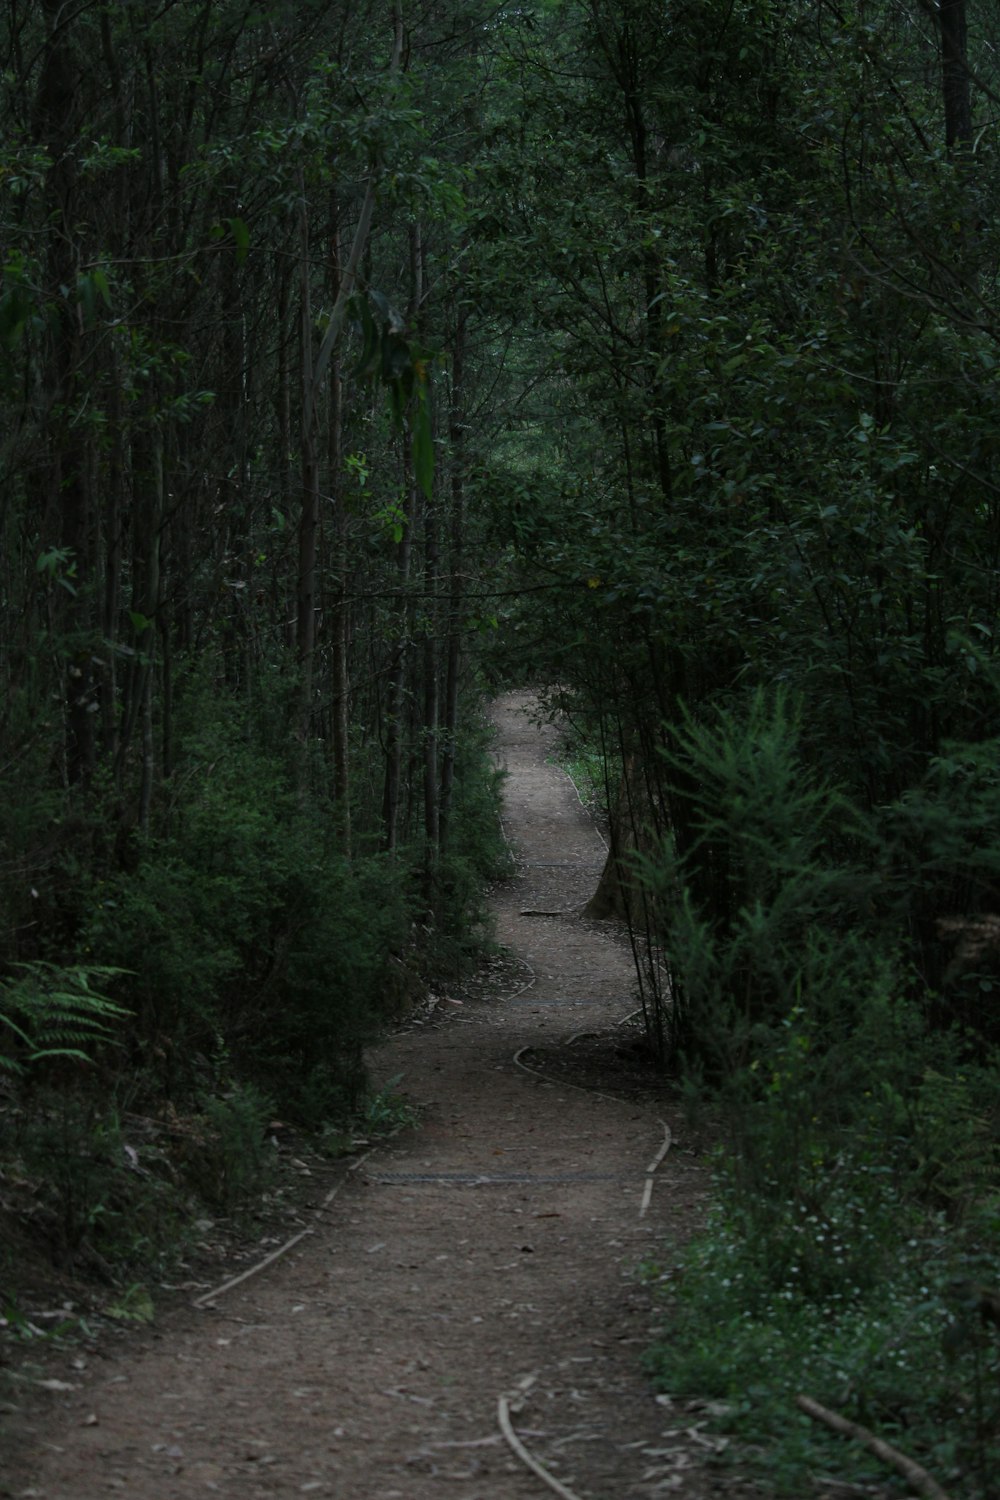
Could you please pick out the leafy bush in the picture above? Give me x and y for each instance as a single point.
(233, 1159)
(93, 1201)
(849, 1256)
(898, 1345)
(251, 941)
(51, 1013)
(943, 870)
(255, 961)
(761, 906)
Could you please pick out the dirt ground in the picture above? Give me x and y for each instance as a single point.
(492, 1251)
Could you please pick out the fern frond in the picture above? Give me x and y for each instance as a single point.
(53, 1011)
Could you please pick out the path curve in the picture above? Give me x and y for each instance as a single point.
(490, 1251)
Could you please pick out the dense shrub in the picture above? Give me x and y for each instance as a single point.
(851, 1251)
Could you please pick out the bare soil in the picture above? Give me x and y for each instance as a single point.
(492, 1251)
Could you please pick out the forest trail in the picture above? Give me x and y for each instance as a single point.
(492, 1249)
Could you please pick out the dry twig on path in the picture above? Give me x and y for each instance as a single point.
(647, 1192)
(262, 1265)
(514, 1442)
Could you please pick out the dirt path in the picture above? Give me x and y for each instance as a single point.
(491, 1250)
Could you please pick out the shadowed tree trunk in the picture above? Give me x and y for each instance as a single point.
(456, 546)
(953, 23)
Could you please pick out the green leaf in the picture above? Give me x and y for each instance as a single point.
(134, 1306)
(85, 297)
(100, 282)
(241, 236)
(396, 403)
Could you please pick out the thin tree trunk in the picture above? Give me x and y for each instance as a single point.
(399, 673)
(432, 826)
(56, 111)
(398, 684)
(456, 543)
(955, 75)
(305, 634)
(147, 604)
(340, 613)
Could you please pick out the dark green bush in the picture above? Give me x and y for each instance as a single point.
(762, 909)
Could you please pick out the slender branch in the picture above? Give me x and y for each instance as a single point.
(915, 1476)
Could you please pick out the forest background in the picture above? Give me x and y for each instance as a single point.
(356, 358)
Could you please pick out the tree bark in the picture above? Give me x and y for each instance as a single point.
(456, 545)
(953, 22)
(399, 672)
(309, 517)
(340, 609)
(69, 500)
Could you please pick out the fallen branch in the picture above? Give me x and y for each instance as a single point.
(514, 1442)
(261, 1265)
(647, 1192)
(916, 1476)
(227, 1286)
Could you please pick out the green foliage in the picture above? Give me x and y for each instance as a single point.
(942, 838)
(761, 919)
(596, 773)
(232, 1159)
(476, 857)
(251, 940)
(386, 1112)
(897, 1343)
(951, 1128)
(402, 367)
(857, 1189)
(97, 1206)
(50, 1013)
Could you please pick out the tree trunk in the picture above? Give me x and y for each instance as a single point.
(399, 671)
(56, 111)
(456, 443)
(305, 630)
(615, 896)
(340, 612)
(432, 824)
(955, 75)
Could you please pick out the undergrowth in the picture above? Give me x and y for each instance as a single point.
(597, 778)
(222, 972)
(852, 1253)
(903, 1340)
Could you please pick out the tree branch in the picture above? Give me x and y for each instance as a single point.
(917, 1477)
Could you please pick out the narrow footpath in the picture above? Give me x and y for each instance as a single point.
(479, 1269)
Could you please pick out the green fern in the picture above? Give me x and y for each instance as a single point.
(52, 1011)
